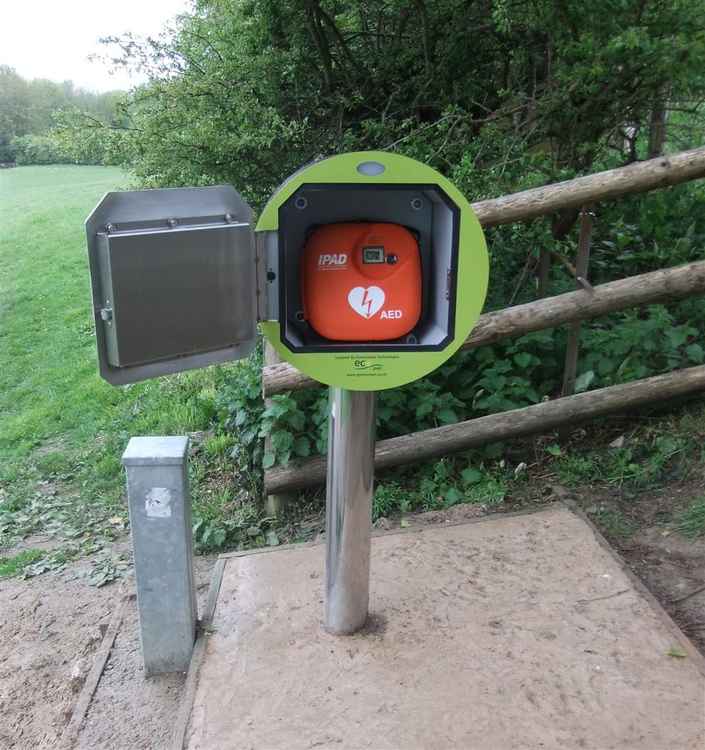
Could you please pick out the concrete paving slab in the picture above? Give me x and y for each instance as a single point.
(512, 632)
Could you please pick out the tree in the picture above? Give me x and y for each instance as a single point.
(14, 115)
(247, 90)
(29, 110)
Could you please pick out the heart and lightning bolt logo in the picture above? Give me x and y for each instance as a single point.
(366, 302)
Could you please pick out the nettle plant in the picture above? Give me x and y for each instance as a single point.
(640, 343)
(496, 378)
(295, 428)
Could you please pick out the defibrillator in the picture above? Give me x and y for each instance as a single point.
(365, 270)
(361, 281)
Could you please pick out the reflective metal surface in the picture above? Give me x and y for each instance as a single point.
(160, 527)
(351, 442)
(173, 280)
(176, 292)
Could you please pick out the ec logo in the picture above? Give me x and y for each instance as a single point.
(363, 364)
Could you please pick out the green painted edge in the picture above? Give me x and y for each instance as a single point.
(375, 371)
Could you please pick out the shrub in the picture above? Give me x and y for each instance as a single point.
(7, 151)
(38, 149)
(96, 145)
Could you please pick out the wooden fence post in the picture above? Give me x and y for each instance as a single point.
(274, 504)
(581, 279)
(544, 274)
(582, 261)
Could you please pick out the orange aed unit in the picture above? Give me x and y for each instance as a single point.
(361, 281)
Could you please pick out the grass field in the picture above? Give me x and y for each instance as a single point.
(62, 429)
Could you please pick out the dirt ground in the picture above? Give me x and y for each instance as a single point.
(52, 626)
(50, 630)
(127, 710)
(671, 566)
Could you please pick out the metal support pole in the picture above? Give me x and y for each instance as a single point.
(351, 444)
(160, 526)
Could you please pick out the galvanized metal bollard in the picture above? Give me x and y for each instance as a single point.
(160, 523)
(351, 444)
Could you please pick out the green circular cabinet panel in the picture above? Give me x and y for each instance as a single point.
(372, 370)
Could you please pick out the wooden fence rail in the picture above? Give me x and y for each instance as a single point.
(573, 307)
(634, 178)
(531, 420)
(649, 288)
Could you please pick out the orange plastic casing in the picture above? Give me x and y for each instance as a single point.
(348, 299)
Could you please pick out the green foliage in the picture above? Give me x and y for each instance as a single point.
(226, 513)
(390, 498)
(439, 486)
(614, 523)
(692, 521)
(500, 377)
(639, 343)
(282, 422)
(29, 111)
(239, 409)
(638, 463)
(507, 374)
(220, 523)
(38, 149)
(449, 484)
(646, 232)
(521, 372)
(472, 384)
(65, 145)
(12, 566)
(577, 469)
(248, 91)
(87, 140)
